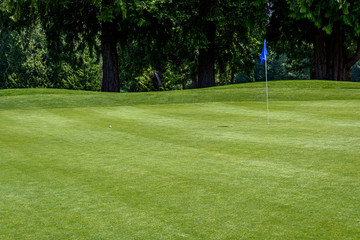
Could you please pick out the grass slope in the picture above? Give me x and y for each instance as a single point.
(194, 164)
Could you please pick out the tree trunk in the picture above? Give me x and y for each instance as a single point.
(319, 70)
(206, 70)
(330, 60)
(110, 82)
(335, 50)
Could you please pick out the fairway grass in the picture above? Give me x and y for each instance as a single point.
(193, 164)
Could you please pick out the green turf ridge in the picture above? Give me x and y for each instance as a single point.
(194, 164)
(302, 90)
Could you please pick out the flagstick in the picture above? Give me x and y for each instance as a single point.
(263, 59)
(267, 94)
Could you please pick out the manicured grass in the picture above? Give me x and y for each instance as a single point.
(194, 164)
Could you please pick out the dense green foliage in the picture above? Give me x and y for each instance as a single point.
(27, 63)
(191, 36)
(165, 45)
(193, 39)
(327, 14)
(325, 32)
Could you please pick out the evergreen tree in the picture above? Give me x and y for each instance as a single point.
(225, 33)
(72, 26)
(25, 63)
(330, 29)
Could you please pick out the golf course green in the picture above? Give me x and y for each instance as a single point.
(191, 164)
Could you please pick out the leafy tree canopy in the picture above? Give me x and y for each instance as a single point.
(328, 31)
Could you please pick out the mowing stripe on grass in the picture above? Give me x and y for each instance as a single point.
(203, 170)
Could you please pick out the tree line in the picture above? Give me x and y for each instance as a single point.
(25, 62)
(165, 44)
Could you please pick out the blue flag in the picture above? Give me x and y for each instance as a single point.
(264, 53)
